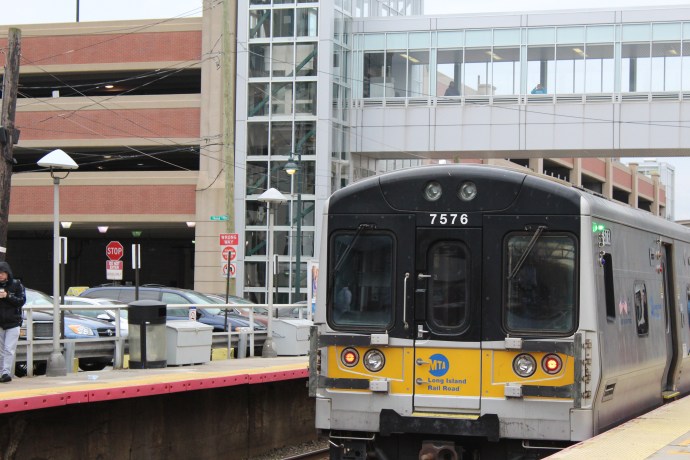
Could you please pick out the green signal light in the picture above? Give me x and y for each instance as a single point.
(598, 227)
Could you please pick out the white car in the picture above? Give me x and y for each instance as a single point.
(108, 314)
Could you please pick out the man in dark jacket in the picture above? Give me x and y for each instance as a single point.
(12, 298)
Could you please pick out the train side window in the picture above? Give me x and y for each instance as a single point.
(361, 281)
(609, 296)
(641, 308)
(448, 263)
(540, 291)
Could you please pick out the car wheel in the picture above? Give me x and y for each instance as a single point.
(89, 366)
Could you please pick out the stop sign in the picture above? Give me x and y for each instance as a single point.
(114, 250)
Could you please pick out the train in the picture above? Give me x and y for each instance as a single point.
(479, 312)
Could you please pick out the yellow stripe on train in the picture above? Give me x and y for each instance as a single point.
(497, 371)
(447, 371)
(397, 370)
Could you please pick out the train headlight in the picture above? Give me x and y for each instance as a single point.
(552, 364)
(432, 191)
(467, 191)
(374, 360)
(349, 357)
(524, 365)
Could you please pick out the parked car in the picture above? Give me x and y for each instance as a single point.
(76, 327)
(105, 314)
(212, 316)
(260, 313)
(300, 311)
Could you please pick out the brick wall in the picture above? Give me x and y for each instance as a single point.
(102, 123)
(126, 47)
(106, 199)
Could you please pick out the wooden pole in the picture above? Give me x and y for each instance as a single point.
(8, 134)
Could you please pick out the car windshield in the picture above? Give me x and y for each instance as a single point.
(231, 299)
(257, 310)
(109, 302)
(196, 297)
(37, 298)
(238, 300)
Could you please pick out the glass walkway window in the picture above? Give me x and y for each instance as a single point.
(564, 60)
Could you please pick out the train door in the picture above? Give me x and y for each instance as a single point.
(447, 320)
(671, 314)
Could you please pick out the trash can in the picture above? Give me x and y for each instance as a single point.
(146, 319)
(188, 342)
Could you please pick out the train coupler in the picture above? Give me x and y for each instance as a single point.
(439, 450)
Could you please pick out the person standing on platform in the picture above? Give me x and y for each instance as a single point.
(12, 298)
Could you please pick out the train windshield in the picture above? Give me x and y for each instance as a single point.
(361, 284)
(540, 284)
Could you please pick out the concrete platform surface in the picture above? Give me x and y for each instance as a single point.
(29, 393)
(663, 433)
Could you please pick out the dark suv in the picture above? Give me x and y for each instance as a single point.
(206, 311)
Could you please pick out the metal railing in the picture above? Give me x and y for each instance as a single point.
(33, 349)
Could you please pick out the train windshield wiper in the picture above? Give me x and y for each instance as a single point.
(349, 247)
(528, 249)
(341, 261)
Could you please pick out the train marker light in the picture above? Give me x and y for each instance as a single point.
(349, 357)
(552, 364)
(374, 360)
(524, 365)
(432, 191)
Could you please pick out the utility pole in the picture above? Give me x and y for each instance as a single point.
(8, 134)
(229, 69)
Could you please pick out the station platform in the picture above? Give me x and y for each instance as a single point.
(662, 434)
(40, 392)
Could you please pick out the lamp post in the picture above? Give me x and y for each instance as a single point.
(291, 168)
(56, 160)
(272, 198)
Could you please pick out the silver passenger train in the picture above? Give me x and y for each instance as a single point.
(467, 311)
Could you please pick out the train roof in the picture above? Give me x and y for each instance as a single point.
(500, 189)
(599, 207)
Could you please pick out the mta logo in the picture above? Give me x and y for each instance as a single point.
(439, 365)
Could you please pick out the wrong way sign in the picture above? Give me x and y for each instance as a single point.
(229, 239)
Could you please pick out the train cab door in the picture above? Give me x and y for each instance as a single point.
(673, 320)
(447, 320)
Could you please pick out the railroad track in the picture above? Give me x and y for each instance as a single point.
(318, 454)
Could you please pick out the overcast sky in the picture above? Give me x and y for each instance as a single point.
(45, 11)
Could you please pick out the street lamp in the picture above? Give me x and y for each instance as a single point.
(272, 198)
(56, 160)
(291, 168)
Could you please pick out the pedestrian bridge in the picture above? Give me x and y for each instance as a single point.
(612, 83)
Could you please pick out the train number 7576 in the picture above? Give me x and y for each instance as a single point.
(448, 219)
